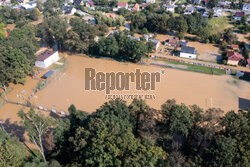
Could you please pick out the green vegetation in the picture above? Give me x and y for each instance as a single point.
(118, 134)
(121, 47)
(219, 24)
(204, 69)
(17, 55)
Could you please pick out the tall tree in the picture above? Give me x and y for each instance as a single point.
(36, 125)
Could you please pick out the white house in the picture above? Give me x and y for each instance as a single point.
(246, 8)
(155, 42)
(189, 10)
(217, 11)
(170, 8)
(188, 52)
(150, 1)
(46, 58)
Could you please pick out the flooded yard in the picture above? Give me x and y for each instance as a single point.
(187, 87)
(68, 88)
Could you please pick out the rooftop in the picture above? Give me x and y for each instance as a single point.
(44, 55)
(122, 4)
(234, 56)
(188, 49)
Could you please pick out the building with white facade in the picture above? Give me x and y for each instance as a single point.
(46, 58)
(188, 52)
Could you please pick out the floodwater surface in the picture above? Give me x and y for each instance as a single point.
(186, 87)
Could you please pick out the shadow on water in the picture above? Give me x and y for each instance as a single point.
(14, 129)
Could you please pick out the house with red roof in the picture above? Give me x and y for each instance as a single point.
(111, 15)
(238, 15)
(234, 47)
(233, 58)
(122, 5)
(136, 8)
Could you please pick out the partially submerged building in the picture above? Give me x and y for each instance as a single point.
(46, 58)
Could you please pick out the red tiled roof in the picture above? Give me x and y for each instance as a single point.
(136, 7)
(44, 55)
(111, 15)
(239, 14)
(124, 4)
(235, 56)
(234, 46)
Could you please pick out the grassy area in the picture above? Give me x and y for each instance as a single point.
(191, 67)
(219, 24)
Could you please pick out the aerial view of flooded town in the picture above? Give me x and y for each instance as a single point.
(124, 83)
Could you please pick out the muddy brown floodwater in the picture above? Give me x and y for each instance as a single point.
(186, 87)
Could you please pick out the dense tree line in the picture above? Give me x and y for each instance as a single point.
(10, 16)
(75, 36)
(118, 134)
(120, 46)
(17, 55)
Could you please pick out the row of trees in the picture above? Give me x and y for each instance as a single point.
(120, 46)
(10, 16)
(75, 37)
(135, 135)
(162, 23)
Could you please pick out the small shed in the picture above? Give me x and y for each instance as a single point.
(48, 74)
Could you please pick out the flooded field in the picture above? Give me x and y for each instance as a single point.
(68, 88)
(187, 87)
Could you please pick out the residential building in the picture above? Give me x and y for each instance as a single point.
(155, 42)
(89, 4)
(189, 10)
(78, 2)
(246, 8)
(172, 41)
(234, 47)
(147, 36)
(122, 5)
(46, 58)
(150, 1)
(136, 8)
(170, 8)
(196, 2)
(238, 16)
(233, 58)
(217, 11)
(188, 52)
(69, 10)
(111, 15)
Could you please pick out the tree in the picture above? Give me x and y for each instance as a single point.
(36, 125)
(12, 152)
(229, 36)
(2, 31)
(177, 118)
(221, 152)
(139, 1)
